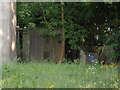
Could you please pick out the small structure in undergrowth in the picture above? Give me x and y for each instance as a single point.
(31, 45)
(88, 57)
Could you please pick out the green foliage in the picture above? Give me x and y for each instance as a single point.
(23, 14)
(82, 22)
(113, 43)
(49, 75)
(49, 33)
(32, 25)
(75, 34)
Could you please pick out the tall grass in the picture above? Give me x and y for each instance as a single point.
(49, 75)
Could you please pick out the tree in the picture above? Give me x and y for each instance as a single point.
(83, 25)
(62, 35)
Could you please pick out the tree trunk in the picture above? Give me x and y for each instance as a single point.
(62, 35)
(7, 31)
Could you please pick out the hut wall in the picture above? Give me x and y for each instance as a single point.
(25, 44)
(40, 47)
(36, 46)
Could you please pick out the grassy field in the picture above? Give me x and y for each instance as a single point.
(49, 75)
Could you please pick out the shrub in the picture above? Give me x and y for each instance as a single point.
(113, 43)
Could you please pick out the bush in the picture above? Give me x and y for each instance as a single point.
(113, 43)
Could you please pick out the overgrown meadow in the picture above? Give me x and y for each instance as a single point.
(49, 75)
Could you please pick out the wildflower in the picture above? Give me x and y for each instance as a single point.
(109, 66)
(106, 66)
(52, 86)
